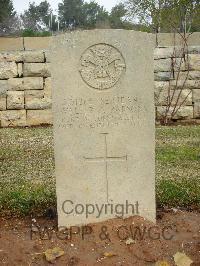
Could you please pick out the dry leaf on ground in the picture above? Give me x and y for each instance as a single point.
(52, 254)
(182, 260)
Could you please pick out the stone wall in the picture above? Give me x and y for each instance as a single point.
(177, 77)
(25, 82)
(25, 89)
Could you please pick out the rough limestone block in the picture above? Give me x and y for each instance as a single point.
(39, 117)
(36, 70)
(11, 44)
(197, 110)
(13, 118)
(196, 96)
(168, 52)
(185, 84)
(162, 65)
(37, 43)
(188, 75)
(3, 87)
(11, 57)
(20, 69)
(2, 102)
(3, 93)
(48, 88)
(27, 83)
(169, 97)
(8, 70)
(194, 49)
(33, 57)
(15, 100)
(185, 112)
(47, 56)
(163, 76)
(194, 62)
(35, 100)
(15, 84)
(161, 85)
(180, 64)
(39, 94)
(33, 83)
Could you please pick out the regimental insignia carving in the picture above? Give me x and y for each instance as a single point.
(101, 66)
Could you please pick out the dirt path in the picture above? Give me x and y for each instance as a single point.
(118, 242)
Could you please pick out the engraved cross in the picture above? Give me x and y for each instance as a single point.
(106, 159)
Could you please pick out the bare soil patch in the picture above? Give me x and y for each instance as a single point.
(133, 241)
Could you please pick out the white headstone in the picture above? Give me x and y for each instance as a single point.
(103, 104)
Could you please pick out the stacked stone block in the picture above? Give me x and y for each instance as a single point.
(25, 85)
(25, 89)
(175, 73)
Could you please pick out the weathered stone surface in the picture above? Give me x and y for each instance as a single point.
(168, 52)
(161, 85)
(20, 69)
(197, 110)
(167, 39)
(100, 117)
(36, 70)
(2, 102)
(3, 87)
(196, 95)
(188, 74)
(15, 84)
(3, 93)
(33, 83)
(180, 64)
(35, 103)
(15, 100)
(48, 88)
(11, 57)
(39, 117)
(36, 100)
(48, 56)
(33, 57)
(163, 65)
(11, 44)
(196, 100)
(34, 93)
(194, 62)
(194, 49)
(163, 76)
(8, 70)
(13, 118)
(185, 112)
(37, 43)
(169, 97)
(184, 84)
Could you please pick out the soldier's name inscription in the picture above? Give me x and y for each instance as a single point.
(100, 112)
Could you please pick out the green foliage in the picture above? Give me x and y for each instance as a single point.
(6, 10)
(93, 14)
(70, 13)
(165, 15)
(77, 13)
(32, 33)
(37, 16)
(116, 18)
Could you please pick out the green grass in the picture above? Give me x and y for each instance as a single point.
(27, 178)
